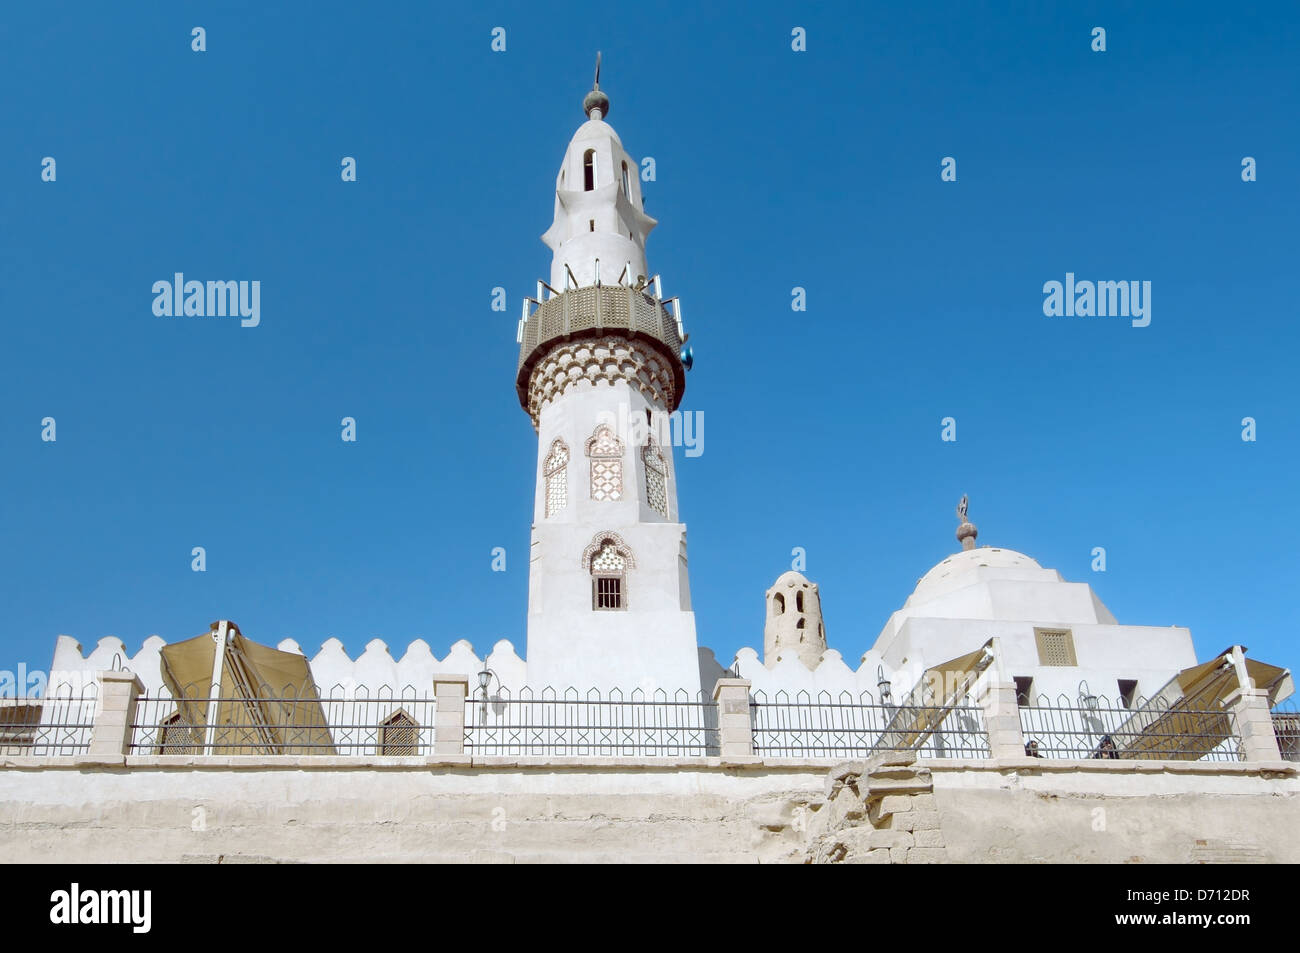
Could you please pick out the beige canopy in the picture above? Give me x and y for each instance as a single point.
(1187, 718)
(941, 688)
(266, 702)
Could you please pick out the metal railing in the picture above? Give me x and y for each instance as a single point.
(1099, 728)
(848, 726)
(58, 724)
(1286, 725)
(569, 723)
(592, 309)
(350, 721)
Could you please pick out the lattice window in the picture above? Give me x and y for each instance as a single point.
(399, 735)
(608, 561)
(1055, 647)
(179, 738)
(556, 474)
(606, 453)
(656, 477)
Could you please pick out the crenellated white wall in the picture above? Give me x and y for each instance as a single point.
(832, 674)
(332, 667)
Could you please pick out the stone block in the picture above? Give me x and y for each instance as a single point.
(929, 838)
(898, 855)
(895, 803)
(927, 855)
(891, 758)
(925, 821)
(846, 772)
(878, 787)
(924, 802)
(897, 822)
(891, 839)
(875, 856)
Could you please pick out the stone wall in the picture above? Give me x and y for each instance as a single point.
(499, 810)
(893, 809)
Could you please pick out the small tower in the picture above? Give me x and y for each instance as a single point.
(600, 371)
(794, 621)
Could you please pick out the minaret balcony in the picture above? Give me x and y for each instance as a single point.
(595, 311)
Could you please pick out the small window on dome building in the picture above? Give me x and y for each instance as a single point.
(1024, 691)
(1128, 688)
(1055, 647)
(589, 170)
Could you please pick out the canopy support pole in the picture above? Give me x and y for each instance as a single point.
(220, 636)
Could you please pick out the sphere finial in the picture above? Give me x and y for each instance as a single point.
(966, 531)
(596, 101)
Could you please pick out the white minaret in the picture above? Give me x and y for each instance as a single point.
(600, 370)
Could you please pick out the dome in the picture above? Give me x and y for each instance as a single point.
(942, 577)
(790, 578)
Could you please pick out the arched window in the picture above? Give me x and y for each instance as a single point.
(778, 603)
(798, 601)
(608, 560)
(399, 735)
(606, 453)
(177, 737)
(656, 477)
(589, 170)
(627, 189)
(555, 471)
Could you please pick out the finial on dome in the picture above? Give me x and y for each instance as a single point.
(596, 101)
(966, 531)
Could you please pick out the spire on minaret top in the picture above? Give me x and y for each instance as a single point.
(599, 232)
(596, 104)
(967, 531)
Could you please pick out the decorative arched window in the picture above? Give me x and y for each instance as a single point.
(778, 603)
(798, 601)
(608, 560)
(177, 737)
(606, 453)
(627, 189)
(399, 735)
(555, 471)
(589, 170)
(656, 477)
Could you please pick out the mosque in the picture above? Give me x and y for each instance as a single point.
(994, 667)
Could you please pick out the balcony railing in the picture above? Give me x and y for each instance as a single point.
(593, 310)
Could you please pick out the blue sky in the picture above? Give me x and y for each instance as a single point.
(775, 169)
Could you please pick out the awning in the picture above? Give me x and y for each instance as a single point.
(941, 688)
(1187, 718)
(266, 703)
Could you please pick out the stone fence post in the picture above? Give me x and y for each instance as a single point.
(735, 729)
(449, 716)
(110, 737)
(1002, 720)
(1254, 723)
